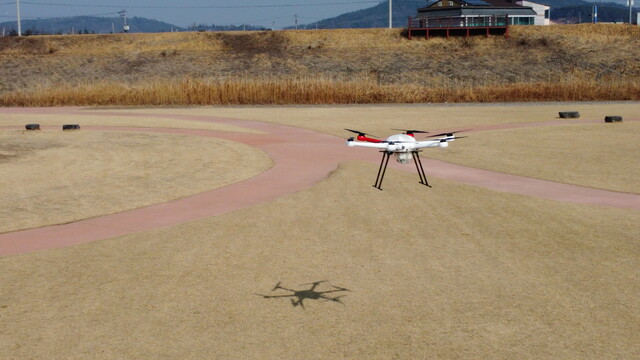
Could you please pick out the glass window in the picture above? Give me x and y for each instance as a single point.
(521, 21)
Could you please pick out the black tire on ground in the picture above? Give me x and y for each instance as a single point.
(71, 127)
(32, 126)
(613, 118)
(569, 114)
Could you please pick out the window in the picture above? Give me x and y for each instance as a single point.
(440, 3)
(546, 13)
(521, 21)
(526, 21)
(450, 3)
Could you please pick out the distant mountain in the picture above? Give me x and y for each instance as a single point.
(88, 24)
(378, 15)
(573, 11)
(104, 25)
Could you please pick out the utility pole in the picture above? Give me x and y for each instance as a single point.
(273, 25)
(390, 15)
(630, 11)
(296, 17)
(18, 16)
(125, 27)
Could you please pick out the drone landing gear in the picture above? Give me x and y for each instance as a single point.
(423, 177)
(387, 155)
(385, 161)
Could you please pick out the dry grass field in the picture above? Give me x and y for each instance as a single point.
(558, 63)
(53, 177)
(106, 119)
(451, 272)
(575, 154)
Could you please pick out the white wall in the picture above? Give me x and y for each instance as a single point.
(539, 9)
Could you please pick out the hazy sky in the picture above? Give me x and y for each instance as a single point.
(188, 12)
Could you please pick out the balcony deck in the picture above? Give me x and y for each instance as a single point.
(458, 26)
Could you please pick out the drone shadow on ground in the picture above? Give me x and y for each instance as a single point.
(297, 297)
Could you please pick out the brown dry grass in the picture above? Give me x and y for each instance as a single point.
(52, 177)
(585, 154)
(583, 62)
(108, 119)
(573, 154)
(445, 273)
(379, 119)
(312, 91)
(455, 272)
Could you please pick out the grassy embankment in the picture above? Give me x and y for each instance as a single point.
(561, 63)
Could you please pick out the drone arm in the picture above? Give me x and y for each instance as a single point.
(377, 145)
(368, 139)
(432, 143)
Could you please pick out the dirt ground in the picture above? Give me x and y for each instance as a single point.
(451, 272)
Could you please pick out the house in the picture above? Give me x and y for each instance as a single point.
(518, 12)
(543, 12)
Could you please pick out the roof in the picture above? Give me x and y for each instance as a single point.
(480, 4)
(499, 3)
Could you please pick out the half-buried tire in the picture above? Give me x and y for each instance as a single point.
(612, 118)
(569, 114)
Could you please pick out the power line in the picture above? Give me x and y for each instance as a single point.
(204, 7)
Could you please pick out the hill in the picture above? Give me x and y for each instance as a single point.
(607, 12)
(563, 62)
(376, 16)
(89, 24)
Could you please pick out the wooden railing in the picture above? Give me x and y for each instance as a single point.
(458, 22)
(458, 26)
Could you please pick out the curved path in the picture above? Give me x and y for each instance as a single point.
(301, 158)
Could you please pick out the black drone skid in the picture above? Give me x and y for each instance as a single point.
(385, 161)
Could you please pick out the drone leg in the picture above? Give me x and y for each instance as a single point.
(421, 174)
(382, 170)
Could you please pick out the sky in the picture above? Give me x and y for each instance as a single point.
(185, 13)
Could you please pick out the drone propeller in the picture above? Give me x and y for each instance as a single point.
(407, 131)
(360, 133)
(453, 138)
(452, 133)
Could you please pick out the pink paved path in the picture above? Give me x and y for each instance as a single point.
(301, 158)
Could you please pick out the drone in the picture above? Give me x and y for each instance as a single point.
(310, 293)
(403, 147)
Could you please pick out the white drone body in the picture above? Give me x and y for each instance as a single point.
(404, 148)
(402, 145)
